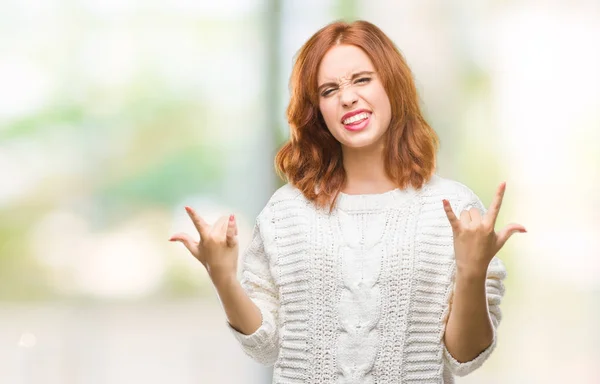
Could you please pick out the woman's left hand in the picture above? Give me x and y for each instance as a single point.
(475, 239)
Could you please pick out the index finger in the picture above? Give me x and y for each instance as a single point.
(492, 213)
(199, 222)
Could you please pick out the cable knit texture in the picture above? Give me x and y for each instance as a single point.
(361, 295)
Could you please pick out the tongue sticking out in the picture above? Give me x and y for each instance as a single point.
(358, 125)
(356, 119)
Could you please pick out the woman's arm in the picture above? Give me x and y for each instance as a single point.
(474, 314)
(242, 313)
(466, 344)
(250, 305)
(469, 330)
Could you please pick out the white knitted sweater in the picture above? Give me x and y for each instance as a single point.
(361, 295)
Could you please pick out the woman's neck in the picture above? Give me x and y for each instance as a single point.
(365, 173)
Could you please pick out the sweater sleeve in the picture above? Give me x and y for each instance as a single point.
(496, 273)
(257, 281)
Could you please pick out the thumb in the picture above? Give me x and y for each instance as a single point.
(187, 241)
(232, 232)
(507, 232)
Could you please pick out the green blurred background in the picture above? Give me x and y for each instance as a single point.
(114, 114)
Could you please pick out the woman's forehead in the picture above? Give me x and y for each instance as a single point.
(342, 61)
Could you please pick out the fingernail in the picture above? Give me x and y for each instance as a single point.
(231, 218)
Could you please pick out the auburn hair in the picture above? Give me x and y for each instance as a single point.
(311, 160)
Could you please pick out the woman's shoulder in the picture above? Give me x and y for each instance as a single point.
(287, 192)
(439, 185)
(284, 198)
(454, 191)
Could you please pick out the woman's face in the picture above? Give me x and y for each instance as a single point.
(352, 99)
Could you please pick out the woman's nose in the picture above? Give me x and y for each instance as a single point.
(348, 99)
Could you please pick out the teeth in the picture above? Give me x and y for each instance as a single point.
(355, 118)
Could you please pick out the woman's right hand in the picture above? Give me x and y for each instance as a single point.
(217, 249)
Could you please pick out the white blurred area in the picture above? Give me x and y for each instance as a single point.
(513, 88)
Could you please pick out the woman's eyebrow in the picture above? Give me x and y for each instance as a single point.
(354, 76)
(361, 73)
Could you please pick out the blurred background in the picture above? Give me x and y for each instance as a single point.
(114, 114)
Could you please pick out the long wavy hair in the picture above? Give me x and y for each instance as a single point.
(311, 160)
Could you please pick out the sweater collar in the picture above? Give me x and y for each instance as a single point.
(365, 202)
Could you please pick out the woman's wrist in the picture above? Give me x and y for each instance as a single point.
(223, 280)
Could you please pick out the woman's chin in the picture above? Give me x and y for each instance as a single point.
(366, 141)
(359, 144)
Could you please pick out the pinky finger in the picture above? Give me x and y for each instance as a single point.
(454, 222)
(232, 232)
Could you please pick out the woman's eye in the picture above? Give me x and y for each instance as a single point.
(363, 80)
(327, 92)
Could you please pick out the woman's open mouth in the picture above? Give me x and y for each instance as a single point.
(357, 122)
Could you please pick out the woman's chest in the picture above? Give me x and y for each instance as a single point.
(360, 247)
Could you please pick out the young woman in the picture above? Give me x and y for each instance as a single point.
(359, 271)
